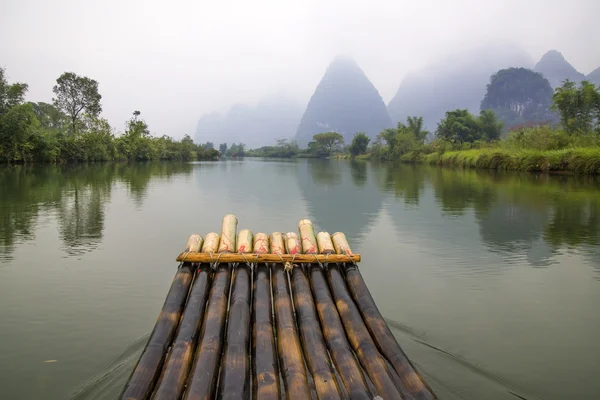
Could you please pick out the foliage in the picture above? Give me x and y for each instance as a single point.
(519, 95)
(578, 107)
(75, 95)
(577, 160)
(236, 150)
(391, 144)
(41, 132)
(324, 144)
(223, 148)
(284, 149)
(461, 126)
(359, 145)
(10, 95)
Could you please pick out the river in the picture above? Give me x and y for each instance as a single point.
(490, 281)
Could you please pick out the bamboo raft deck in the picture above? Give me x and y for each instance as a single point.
(283, 316)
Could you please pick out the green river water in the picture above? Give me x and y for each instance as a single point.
(490, 282)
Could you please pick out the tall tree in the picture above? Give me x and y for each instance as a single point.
(459, 126)
(223, 148)
(327, 142)
(76, 94)
(518, 96)
(578, 107)
(17, 122)
(359, 144)
(490, 126)
(415, 125)
(10, 94)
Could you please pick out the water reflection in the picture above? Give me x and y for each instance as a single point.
(536, 216)
(75, 195)
(349, 202)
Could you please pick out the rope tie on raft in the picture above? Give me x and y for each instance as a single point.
(214, 264)
(287, 265)
(248, 263)
(319, 262)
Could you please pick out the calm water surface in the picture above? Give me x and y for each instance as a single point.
(490, 282)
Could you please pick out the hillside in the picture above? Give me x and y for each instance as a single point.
(259, 125)
(458, 81)
(554, 67)
(344, 101)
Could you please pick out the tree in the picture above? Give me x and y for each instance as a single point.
(76, 94)
(459, 126)
(326, 143)
(223, 148)
(518, 96)
(359, 144)
(10, 95)
(208, 145)
(489, 125)
(49, 116)
(578, 107)
(415, 125)
(18, 122)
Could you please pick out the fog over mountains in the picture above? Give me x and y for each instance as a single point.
(272, 118)
(346, 101)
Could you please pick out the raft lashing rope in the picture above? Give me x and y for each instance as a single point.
(257, 316)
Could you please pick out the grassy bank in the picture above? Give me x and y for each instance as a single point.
(574, 160)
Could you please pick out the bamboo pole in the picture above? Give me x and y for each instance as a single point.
(147, 370)
(358, 335)
(342, 355)
(307, 237)
(202, 382)
(194, 243)
(272, 257)
(277, 245)
(234, 382)
(292, 243)
(179, 361)
(413, 382)
(265, 371)
(228, 230)
(288, 343)
(244, 241)
(313, 344)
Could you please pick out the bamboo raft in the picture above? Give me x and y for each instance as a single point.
(271, 317)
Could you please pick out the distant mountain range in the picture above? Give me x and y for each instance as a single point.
(455, 82)
(273, 118)
(345, 101)
(554, 67)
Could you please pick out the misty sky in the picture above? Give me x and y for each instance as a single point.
(176, 60)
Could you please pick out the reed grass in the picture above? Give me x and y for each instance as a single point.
(584, 160)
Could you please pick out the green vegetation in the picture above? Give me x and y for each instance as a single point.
(71, 129)
(464, 140)
(519, 96)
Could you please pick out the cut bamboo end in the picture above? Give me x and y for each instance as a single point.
(324, 243)
(244, 241)
(211, 243)
(261, 243)
(228, 231)
(194, 243)
(270, 258)
(341, 243)
(307, 237)
(292, 243)
(277, 243)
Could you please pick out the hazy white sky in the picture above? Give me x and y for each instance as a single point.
(175, 60)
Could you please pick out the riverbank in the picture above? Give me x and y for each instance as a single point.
(583, 160)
